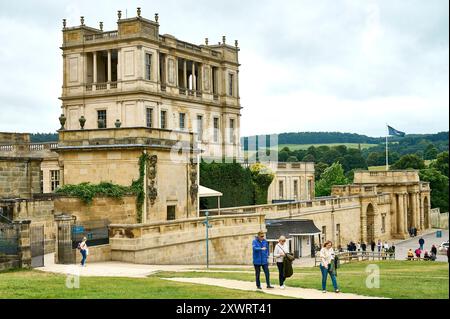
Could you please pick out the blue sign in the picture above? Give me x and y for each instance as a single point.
(77, 229)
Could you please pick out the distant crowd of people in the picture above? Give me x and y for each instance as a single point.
(378, 246)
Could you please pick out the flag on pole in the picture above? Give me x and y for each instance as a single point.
(394, 132)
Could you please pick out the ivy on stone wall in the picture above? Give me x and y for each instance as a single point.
(138, 186)
(87, 191)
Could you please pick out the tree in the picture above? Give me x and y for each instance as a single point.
(292, 159)
(333, 175)
(319, 168)
(439, 187)
(262, 177)
(374, 159)
(441, 163)
(309, 158)
(283, 156)
(431, 152)
(409, 161)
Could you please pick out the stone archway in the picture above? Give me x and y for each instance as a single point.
(426, 213)
(370, 224)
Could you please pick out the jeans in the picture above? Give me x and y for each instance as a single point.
(83, 255)
(258, 273)
(324, 278)
(281, 273)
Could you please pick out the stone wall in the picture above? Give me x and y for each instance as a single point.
(121, 211)
(183, 242)
(9, 138)
(39, 212)
(96, 254)
(19, 177)
(438, 219)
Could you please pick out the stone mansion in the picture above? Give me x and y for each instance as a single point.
(141, 106)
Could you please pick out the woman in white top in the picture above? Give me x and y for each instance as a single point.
(281, 248)
(326, 258)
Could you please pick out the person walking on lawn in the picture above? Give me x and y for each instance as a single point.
(260, 259)
(279, 253)
(327, 266)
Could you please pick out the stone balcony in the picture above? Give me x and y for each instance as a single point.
(29, 150)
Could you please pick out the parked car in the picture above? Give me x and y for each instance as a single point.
(442, 250)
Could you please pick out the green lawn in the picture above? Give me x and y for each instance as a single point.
(398, 279)
(23, 284)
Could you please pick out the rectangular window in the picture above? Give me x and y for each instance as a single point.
(171, 212)
(149, 117)
(231, 131)
(182, 121)
(230, 84)
(101, 118)
(199, 127)
(383, 223)
(163, 119)
(216, 129)
(54, 179)
(148, 66)
(295, 189)
(281, 189)
(324, 234)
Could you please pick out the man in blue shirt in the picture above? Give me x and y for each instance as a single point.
(260, 259)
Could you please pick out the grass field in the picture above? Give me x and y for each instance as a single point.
(24, 284)
(398, 279)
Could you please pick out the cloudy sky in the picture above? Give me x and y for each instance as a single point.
(310, 65)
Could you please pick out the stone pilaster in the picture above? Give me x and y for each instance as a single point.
(64, 252)
(24, 243)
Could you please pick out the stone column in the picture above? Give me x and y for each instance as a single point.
(94, 66)
(405, 211)
(64, 252)
(417, 201)
(109, 66)
(401, 215)
(194, 84)
(24, 243)
(421, 209)
(412, 199)
(185, 74)
(394, 214)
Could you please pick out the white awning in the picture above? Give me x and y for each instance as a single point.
(208, 192)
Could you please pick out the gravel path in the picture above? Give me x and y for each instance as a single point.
(302, 293)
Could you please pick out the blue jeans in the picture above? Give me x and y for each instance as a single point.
(324, 278)
(83, 255)
(258, 273)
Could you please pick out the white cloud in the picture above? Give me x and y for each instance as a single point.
(345, 65)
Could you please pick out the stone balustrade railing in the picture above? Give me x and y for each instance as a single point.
(280, 210)
(27, 147)
(182, 225)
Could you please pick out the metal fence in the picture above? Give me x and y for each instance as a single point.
(96, 233)
(8, 240)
